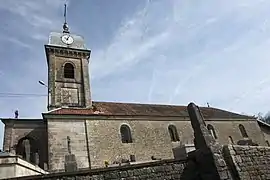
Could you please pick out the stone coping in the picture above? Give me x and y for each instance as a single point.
(97, 171)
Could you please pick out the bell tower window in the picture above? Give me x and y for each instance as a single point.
(69, 71)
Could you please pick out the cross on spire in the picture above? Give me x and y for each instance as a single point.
(65, 26)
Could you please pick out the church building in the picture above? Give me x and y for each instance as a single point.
(76, 129)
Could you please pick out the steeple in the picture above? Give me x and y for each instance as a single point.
(68, 69)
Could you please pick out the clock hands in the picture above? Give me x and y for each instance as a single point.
(67, 39)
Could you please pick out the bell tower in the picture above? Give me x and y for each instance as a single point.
(68, 70)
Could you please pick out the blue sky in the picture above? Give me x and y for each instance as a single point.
(147, 51)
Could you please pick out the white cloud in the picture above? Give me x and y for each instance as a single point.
(17, 42)
(215, 51)
(132, 43)
(41, 15)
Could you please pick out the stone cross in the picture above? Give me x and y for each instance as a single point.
(70, 159)
(68, 144)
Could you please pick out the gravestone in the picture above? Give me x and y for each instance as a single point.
(207, 160)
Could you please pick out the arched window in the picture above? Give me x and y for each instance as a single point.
(125, 134)
(173, 133)
(212, 130)
(69, 71)
(243, 131)
(230, 140)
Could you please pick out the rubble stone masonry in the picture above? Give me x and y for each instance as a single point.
(159, 170)
(248, 162)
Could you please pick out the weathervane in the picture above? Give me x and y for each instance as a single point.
(65, 26)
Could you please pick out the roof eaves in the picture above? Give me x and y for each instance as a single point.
(33, 120)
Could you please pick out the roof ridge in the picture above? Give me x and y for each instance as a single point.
(137, 103)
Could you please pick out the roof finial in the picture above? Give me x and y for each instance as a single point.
(65, 26)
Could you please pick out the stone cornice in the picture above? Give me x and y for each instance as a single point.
(21, 121)
(111, 117)
(67, 52)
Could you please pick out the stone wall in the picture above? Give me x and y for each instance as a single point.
(65, 91)
(166, 169)
(58, 133)
(151, 138)
(265, 128)
(226, 128)
(248, 162)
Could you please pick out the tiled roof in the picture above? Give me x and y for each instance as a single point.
(132, 109)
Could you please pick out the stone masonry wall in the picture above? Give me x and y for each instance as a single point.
(151, 138)
(266, 133)
(226, 128)
(166, 169)
(58, 84)
(58, 130)
(248, 162)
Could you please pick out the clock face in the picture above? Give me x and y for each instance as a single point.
(67, 39)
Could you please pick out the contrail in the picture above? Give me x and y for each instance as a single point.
(252, 90)
(181, 83)
(152, 84)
